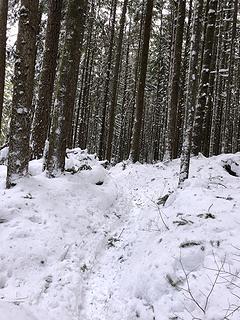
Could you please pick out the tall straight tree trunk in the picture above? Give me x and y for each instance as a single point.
(217, 110)
(236, 121)
(86, 108)
(89, 113)
(136, 138)
(183, 81)
(47, 77)
(80, 138)
(66, 87)
(227, 123)
(3, 38)
(78, 107)
(192, 87)
(171, 145)
(106, 89)
(205, 75)
(83, 101)
(124, 104)
(206, 9)
(84, 98)
(208, 114)
(136, 77)
(115, 82)
(19, 149)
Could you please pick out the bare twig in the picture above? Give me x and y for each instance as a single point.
(64, 255)
(189, 288)
(213, 286)
(160, 214)
(231, 313)
(210, 207)
(220, 273)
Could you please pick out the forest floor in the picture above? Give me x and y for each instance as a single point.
(122, 243)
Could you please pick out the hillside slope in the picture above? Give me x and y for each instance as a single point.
(122, 243)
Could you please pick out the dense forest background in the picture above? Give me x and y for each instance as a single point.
(140, 80)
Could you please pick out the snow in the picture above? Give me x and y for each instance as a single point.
(22, 110)
(12, 312)
(123, 243)
(3, 155)
(211, 11)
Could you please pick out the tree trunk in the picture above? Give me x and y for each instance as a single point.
(236, 121)
(208, 115)
(66, 87)
(217, 110)
(205, 74)
(136, 77)
(106, 89)
(183, 81)
(125, 104)
(47, 77)
(171, 145)
(227, 123)
(22, 92)
(135, 146)
(191, 92)
(115, 82)
(3, 30)
(83, 102)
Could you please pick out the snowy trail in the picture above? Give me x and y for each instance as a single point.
(135, 277)
(73, 248)
(107, 291)
(112, 232)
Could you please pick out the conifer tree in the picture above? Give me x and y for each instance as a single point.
(66, 87)
(113, 104)
(171, 145)
(192, 87)
(19, 149)
(136, 138)
(3, 30)
(205, 75)
(47, 77)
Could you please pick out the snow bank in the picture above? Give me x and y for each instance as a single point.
(175, 260)
(9, 311)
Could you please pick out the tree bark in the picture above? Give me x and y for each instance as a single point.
(217, 109)
(106, 89)
(115, 82)
(66, 87)
(3, 38)
(136, 138)
(191, 92)
(46, 84)
(205, 74)
(171, 145)
(183, 80)
(19, 150)
(83, 102)
(227, 123)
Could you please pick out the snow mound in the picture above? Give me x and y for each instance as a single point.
(9, 311)
(232, 166)
(78, 159)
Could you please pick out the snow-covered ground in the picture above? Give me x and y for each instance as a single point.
(111, 244)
